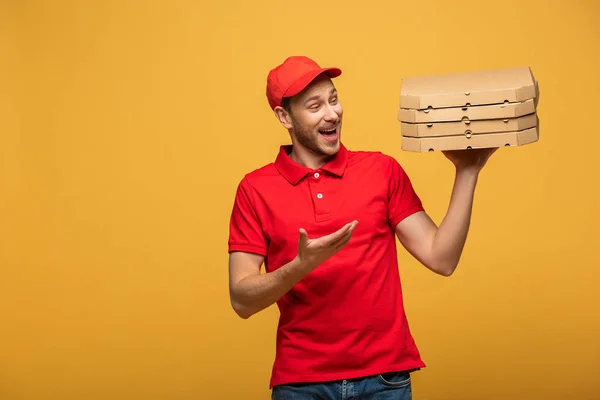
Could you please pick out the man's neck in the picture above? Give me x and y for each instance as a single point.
(307, 158)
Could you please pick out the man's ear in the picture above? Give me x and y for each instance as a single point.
(283, 116)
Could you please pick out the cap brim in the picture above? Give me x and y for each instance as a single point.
(307, 78)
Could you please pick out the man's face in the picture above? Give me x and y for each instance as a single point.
(316, 117)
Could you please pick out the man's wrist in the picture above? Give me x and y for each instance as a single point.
(298, 267)
(470, 172)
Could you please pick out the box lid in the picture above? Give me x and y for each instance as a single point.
(474, 88)
(484, 140)
(494, 111)
(466, 127)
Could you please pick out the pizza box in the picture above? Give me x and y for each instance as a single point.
(468, 113)
(507, 85)
(482, 140)
(468, 127)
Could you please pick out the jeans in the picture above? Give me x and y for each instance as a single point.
(389, 386)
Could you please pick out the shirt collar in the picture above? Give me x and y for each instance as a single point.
(294, 172)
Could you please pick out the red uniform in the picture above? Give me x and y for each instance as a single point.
(346, 318)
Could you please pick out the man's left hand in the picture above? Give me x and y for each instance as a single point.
(470, 159)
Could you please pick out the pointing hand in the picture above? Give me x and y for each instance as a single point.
(313, 252)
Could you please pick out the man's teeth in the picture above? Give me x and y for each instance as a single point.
(332, 130)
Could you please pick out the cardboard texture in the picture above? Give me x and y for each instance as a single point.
(494, 111)
(469, 110)
(512, 85)
(479, 141)
(468, 126)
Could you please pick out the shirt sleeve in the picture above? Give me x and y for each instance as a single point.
(245, 229)
(403, 200)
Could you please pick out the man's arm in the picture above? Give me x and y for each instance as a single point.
(440, 248)
(250, 291)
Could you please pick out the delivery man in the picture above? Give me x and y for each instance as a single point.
(324, 219)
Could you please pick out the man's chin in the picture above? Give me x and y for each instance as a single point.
(331, 148)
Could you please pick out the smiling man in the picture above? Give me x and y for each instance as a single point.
(324, 220)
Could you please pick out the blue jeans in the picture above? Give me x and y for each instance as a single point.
(389, 386)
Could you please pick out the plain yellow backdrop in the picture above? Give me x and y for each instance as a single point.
(127, 125)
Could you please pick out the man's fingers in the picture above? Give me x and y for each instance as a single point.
(303, 237)
(330, 241)
(327, 240)
(340, 233)
(344, 240)
(341, 242)
(348, 231)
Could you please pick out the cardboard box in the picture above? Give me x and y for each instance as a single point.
(465, 127)
(469, 110)
(486, 140)
(508, 85)
(468, 113)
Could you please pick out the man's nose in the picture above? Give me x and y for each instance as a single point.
(331, 114)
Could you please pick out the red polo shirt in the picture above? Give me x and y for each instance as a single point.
(346, 318)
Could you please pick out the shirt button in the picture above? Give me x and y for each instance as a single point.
(316, 175)
(320, 196)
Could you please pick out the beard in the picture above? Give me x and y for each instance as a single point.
(310, 139)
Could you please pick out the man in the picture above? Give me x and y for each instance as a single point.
(324, 221)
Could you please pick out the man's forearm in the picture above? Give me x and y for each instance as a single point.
(451, 236)
(257, 292)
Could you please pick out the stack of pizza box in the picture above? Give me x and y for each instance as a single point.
(469, 110)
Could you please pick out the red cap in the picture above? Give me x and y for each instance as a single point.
(292, 76)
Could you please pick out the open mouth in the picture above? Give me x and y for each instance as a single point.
(330, 134)
(329, 131)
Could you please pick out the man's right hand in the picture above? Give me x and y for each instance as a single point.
(313, 252)
(252, 291)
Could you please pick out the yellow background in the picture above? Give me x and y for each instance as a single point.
(126, 126)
